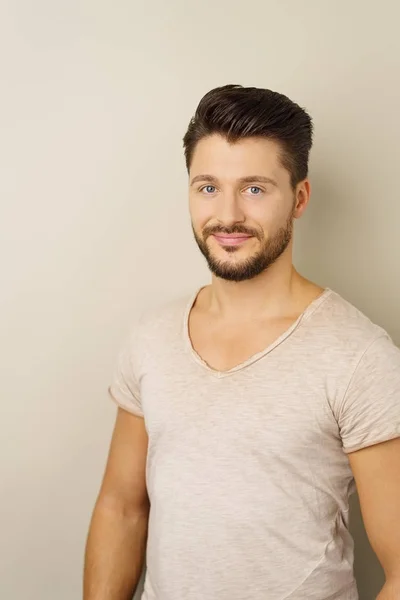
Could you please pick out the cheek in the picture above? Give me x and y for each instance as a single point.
(269, 213)
(200, 212)
(261, 216)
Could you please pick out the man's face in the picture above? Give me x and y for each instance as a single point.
(242, 205)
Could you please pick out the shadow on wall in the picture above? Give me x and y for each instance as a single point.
(368, 572)
(140, 588)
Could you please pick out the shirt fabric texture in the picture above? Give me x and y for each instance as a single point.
(247, 469)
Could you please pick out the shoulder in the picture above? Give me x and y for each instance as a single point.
(155, 330)
(342, 326)
(337, 335)
(161, 322)
(358, 359)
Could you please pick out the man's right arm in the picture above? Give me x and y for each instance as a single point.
(116, 544)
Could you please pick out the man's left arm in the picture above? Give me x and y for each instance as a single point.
(376, 471)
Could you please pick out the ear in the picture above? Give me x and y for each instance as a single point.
(302, 194)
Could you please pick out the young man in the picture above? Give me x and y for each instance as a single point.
(247, 412)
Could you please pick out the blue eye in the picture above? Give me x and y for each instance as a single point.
(257, 192)
(209, 189)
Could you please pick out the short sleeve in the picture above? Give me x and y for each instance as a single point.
(124, 388)
(370, 412)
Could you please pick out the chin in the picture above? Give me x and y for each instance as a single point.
(232, 255)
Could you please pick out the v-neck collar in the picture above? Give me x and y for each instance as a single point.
(258, 355)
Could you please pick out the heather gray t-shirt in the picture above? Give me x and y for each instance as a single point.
(247, 470)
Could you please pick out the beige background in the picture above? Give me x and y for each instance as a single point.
(95, 97)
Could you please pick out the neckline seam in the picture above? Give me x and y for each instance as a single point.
(258, 355)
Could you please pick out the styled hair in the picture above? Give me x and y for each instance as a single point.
(238, 112)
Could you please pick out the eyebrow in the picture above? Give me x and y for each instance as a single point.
(247, 179)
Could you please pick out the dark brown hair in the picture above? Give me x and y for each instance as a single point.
(237, 112)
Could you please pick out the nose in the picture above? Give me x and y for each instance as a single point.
(229, 209)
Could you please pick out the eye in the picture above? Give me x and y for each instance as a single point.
(255, 190)
(208, 189)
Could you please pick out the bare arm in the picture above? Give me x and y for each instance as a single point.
(377, 474)
(116, 543)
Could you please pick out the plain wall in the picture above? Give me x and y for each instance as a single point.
(95, 98)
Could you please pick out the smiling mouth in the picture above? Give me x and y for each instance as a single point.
(234, 239)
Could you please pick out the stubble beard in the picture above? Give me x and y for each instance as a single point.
(252, 266)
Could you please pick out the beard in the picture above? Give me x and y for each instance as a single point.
(252, 266)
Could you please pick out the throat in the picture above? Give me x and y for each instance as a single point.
(224, 348)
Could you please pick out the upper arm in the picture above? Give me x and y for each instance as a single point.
(376, 472)
(369, 412)
(369, 422)
(124, 482)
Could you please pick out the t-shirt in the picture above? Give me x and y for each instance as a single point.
(247, 469)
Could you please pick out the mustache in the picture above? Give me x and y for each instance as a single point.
(237, 228)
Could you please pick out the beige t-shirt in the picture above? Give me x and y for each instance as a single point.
(247, 470)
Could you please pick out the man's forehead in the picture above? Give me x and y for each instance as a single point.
(247, 157)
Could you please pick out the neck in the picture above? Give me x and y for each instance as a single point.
(278, 291)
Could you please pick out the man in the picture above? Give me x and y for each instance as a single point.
(247, 412)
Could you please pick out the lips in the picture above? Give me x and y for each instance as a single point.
(234, 239)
